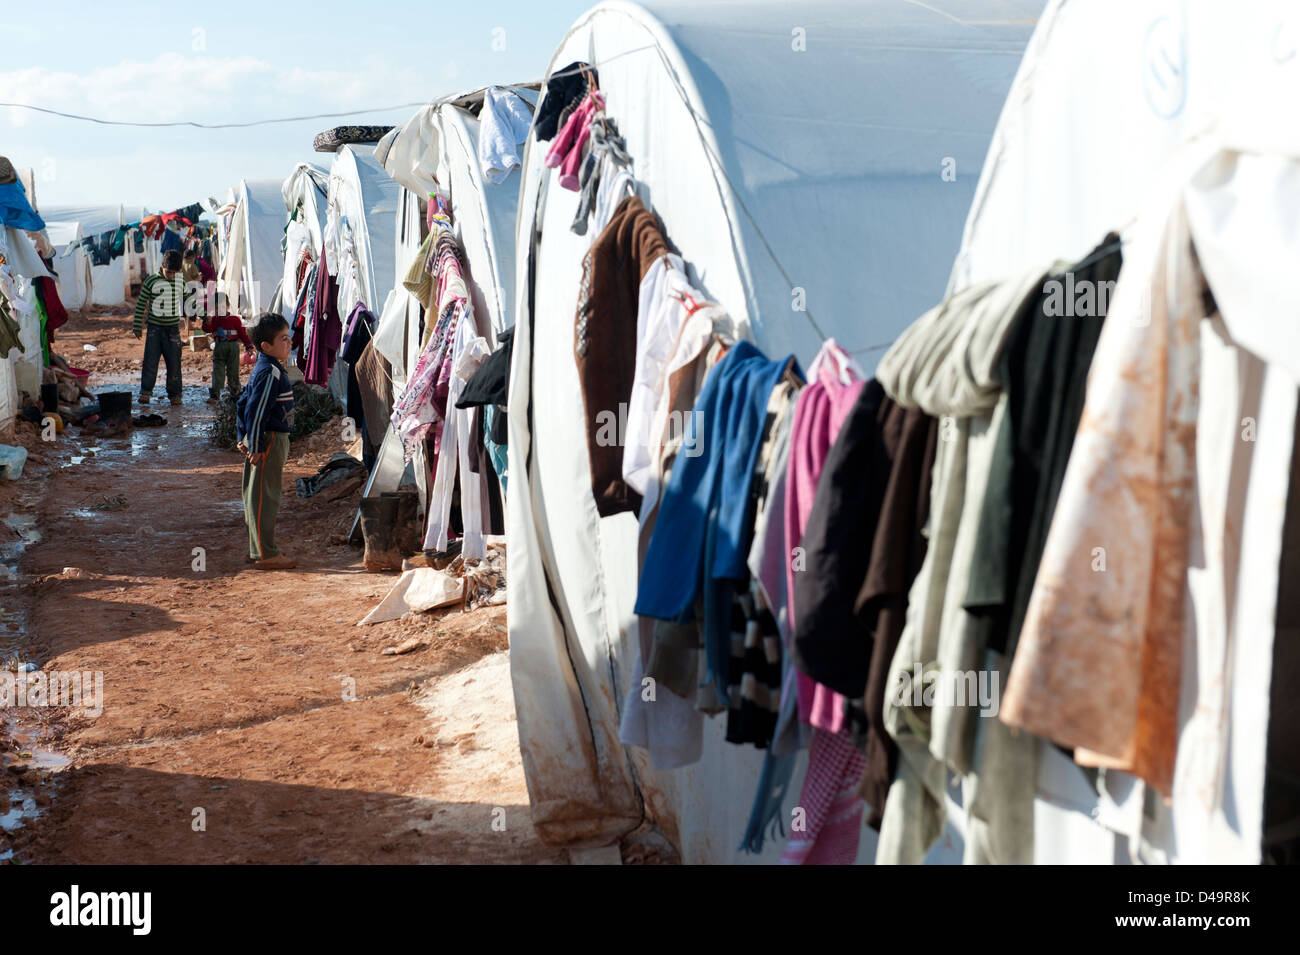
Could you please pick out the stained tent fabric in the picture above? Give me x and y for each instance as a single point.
(1200, 145)
(814, 167)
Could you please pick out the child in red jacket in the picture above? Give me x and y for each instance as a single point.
(227, 331)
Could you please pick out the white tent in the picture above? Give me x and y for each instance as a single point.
(20, 371)
(108, 284)
(360, 228)
(1198, 122)
(305, 193)
(71, 263)
(252, 260)
(821, 156)
(437, 151)
(359, 237)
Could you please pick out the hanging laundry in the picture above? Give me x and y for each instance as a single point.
(606, 156)
(671, 726)
(468, 352)
(832, 810)
(326, 329)
(374, 384)
(864, 537)
(566, 152)
(605, 342)
(50, 301)
(664, 300)
(754, 675)
(1109, 685)
(946, 363)
(818, 417)
(360, 329)
(565, 86)
(9, 330)
(504, 122)
(15, 210)
(690, 557)
(1044, 372)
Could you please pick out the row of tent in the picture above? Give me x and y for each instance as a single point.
(828, 171)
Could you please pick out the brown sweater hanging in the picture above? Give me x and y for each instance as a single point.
(604, 342)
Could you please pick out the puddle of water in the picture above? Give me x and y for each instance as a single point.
(23, 806)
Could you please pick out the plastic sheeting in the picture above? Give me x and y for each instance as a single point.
(814, 165)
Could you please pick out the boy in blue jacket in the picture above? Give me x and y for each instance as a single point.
(264, 420)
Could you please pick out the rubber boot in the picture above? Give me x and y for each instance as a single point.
(378, 527)
(410, 530)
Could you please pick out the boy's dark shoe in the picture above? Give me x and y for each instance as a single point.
(278, 562)
(176, 401)
(144, 399)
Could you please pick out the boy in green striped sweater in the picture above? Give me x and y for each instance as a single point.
(158, 313)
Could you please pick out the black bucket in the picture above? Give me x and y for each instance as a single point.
(50, 398)
(113, 404)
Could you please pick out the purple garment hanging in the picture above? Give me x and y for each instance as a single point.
(327, 330)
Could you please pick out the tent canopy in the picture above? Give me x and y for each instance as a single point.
(814, 166)
(363, 194)
(94, 220)
(437, 150)
(252, 257)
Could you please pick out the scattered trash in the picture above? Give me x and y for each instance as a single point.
(405, 647)
(151, 420)
(90, 347)
(28, 668)
(115, 503)
(12, 460)
(341, 468)
(418, 589)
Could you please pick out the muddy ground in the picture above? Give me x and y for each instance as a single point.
(245, 717)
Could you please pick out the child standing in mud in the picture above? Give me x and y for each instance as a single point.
(263, 422)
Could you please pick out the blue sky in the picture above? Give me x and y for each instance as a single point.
(234, 62)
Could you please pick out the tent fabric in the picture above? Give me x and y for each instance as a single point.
(252, 261)
(108, 282)
(94, 220)
(25, 266)
(98, 284)
(1211, 149)
(439, 145)
(75, 278)
(363, 194)
(360, 236)
(307, 187)
(763, 146)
